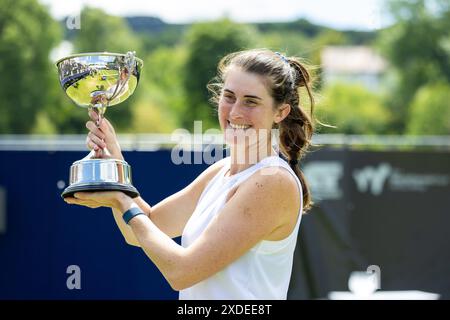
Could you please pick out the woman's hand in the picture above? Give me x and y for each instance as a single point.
(102, 137)
(112, 199)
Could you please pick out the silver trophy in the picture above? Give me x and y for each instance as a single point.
(96, 81)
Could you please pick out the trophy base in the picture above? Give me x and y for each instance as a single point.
(104, 186)
(93, 175)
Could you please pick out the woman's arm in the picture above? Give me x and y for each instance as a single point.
(262, 205)
(171, 214)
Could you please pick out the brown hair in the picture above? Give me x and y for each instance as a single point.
(285, 75)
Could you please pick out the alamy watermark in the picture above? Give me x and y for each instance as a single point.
(375, 270)
(74, 22)
(74, 279)
(365, 283)
(207, 147)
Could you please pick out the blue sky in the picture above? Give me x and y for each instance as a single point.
(340, 14)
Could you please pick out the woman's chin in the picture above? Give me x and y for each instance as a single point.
(235, 137)
(231, 140)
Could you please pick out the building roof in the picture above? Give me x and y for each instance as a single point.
(351, 59)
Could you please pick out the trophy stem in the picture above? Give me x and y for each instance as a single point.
(100, 110)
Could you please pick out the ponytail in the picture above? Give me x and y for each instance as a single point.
(297, 128)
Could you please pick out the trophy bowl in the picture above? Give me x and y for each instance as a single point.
(96, 81)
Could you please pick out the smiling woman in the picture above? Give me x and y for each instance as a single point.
(240, 218)
(262, 86)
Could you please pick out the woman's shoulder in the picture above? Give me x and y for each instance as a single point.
(275, 179)
(273, 170)
(273, 191)
(275, 175)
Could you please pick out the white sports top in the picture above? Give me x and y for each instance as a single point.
(265, 270)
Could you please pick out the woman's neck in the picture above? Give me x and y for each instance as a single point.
(243, 157)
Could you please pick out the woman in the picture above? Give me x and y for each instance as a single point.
(238, 219)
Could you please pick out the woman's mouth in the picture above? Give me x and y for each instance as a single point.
(236, 126)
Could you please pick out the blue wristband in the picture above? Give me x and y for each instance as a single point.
(131, 213)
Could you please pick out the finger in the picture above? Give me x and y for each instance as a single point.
(93, 115)
(69, 199)
(99, 121)
(109, 125)
(90, 204)
(95, 130)
(98, 153)
(86, 203)
(72, 200)
(107, 129)
(99, 196)
(84, 195)
(103, 126)
(96, 140)
(91, 145)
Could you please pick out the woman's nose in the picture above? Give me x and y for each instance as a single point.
(236, 111)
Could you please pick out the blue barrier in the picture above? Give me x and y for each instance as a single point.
(44, 235)
(385, 208)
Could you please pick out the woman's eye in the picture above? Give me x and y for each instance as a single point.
(229, 98)
(251, 103)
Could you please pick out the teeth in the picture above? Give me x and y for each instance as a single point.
(239, 126)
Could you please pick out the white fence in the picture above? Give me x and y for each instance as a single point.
(149, 142)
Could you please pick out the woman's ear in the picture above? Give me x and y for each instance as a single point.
(282, 112)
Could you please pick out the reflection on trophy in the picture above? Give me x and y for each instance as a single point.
(97, 81)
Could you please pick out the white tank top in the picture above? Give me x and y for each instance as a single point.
(264, 272)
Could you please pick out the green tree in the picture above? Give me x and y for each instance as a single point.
(100, 31)
(430, 111)
(352, 109)
(161, 106)
(207, 43)
(27, 34)
(290, 42)
(418, 49)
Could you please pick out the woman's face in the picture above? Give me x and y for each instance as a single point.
(245, 107)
